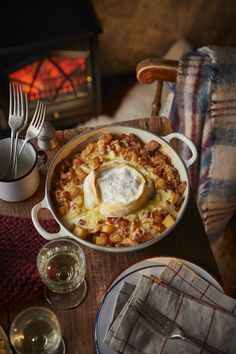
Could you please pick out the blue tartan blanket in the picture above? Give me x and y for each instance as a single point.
(204, 109)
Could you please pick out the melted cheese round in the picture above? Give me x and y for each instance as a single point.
(120, 185)
(117, 189)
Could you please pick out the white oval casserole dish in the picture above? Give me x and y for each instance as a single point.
(79, 143)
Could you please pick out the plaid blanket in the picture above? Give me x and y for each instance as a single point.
(204, 109)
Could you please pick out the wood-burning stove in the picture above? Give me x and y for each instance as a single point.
(52, 50)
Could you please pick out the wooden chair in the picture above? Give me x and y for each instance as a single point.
(160, 70)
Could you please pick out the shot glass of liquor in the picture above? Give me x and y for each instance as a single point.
(61, 265)
(36, 330)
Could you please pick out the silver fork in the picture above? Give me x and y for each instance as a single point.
(16, 118)
(35, 124)
(24, 125)
(159, 323)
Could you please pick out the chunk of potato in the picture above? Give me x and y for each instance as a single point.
(116, 238)
(79, 231)
(168, 221)
(62, 210)
(101, 240)
(108, 228)
(160, 183)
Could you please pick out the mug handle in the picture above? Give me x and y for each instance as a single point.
(188, 142)
(45, 234)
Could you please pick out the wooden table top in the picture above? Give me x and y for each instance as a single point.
(187, 241)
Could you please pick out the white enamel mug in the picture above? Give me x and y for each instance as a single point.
(27, 180)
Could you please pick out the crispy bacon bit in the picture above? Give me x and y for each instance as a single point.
(166, 158)
(134, 225)
(149, 214)
(106, 138)
(76, 181)
(108, 148)
(77, 163)
(88, 150)
(101, 221)
(95, 162)
(66, 195)
(112, 219)
(156, 216)
(81, 222)
(116, 238)
(137, 235)
(64, 166)
(81, 174)
(170, 184)
(152, 146)
(143, 162)
(129, 155)
(64, 181)
(116, 220)
(180, 201)
(175, 197)
(181, 187)
(102, 152)
(159, 170)
(130, 140)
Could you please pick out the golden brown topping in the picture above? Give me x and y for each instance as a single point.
(81, 232)
(157, 214)
(137, 235)
(95, 162)
(152, 146)
(106, 139)
(181, 187)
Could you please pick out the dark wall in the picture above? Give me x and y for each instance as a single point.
(137, 29)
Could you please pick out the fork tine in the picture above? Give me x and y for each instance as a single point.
(17, 100)
(14, 99)
(39, 116)
(40, 123)
(21, 101)
(10, 99)
(35, 116)
(26, 110)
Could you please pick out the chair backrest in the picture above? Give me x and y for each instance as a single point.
(160, 70)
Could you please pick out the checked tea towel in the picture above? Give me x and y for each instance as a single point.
(201, 310)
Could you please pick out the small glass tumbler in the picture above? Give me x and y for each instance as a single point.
(61, 265)
(36, 330)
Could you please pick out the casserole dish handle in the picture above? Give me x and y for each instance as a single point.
(45, 234)
(188, 142)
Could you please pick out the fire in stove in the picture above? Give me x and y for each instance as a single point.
(54, 77)
(57, 62)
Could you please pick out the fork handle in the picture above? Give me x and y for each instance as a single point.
(15, 158)
(22, 147)
(197, 342)
(10, 165)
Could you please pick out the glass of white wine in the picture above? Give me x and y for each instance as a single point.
(61, 265)
(36, 330)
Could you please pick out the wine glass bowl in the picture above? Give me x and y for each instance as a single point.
(61, 265)
(36, 330)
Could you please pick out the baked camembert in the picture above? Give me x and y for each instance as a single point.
(118, 191)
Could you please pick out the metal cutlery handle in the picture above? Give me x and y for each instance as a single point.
(35, 125)
(197, 343)
(161, 324)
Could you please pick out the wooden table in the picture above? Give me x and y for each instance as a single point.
(188, 241)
